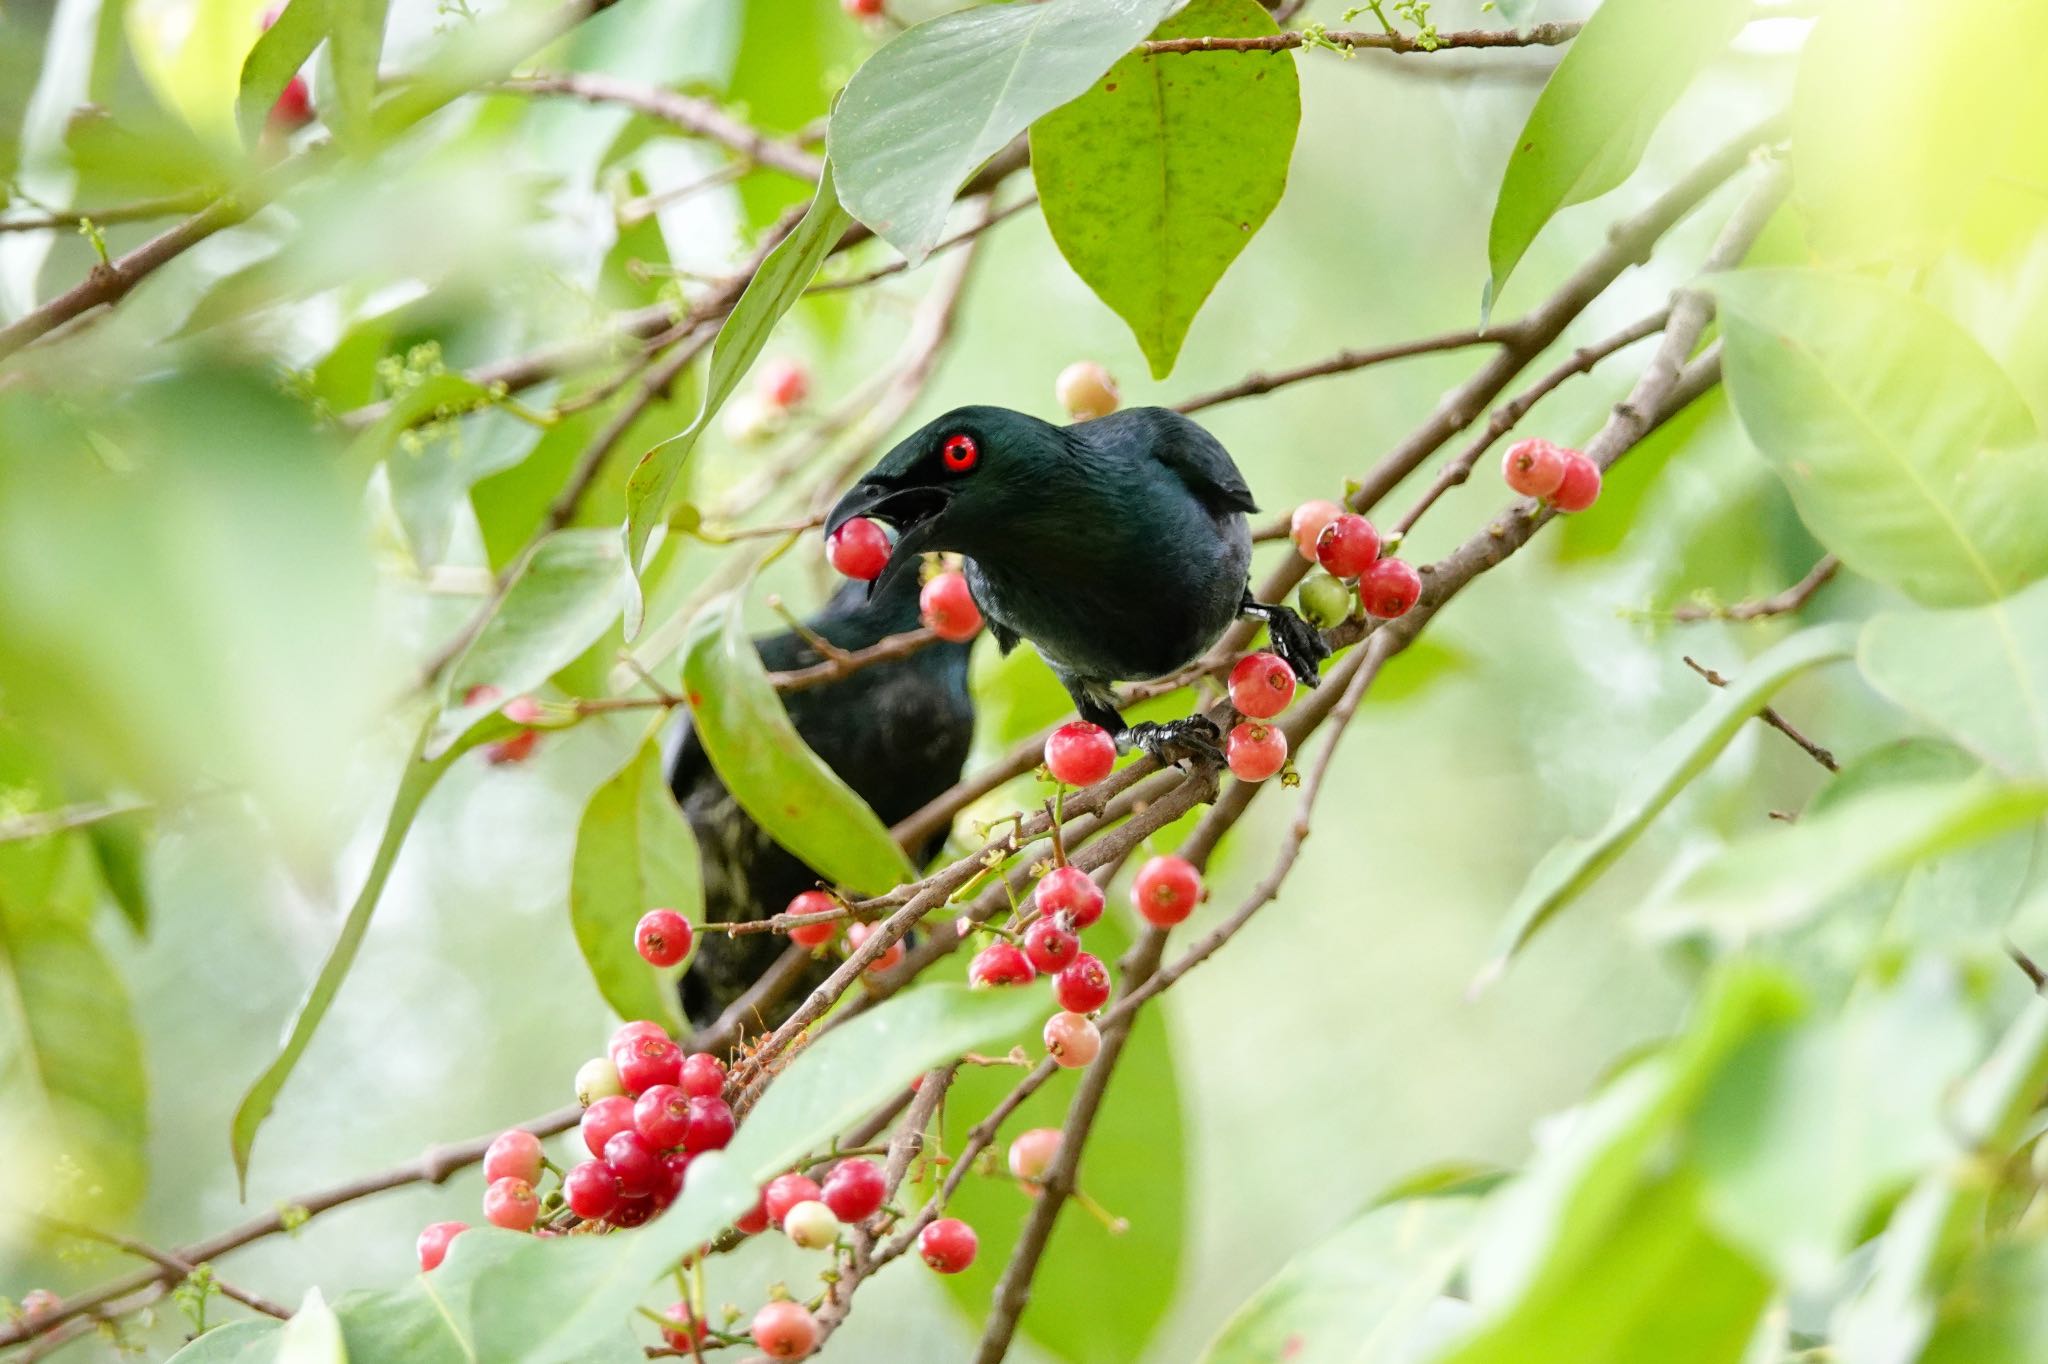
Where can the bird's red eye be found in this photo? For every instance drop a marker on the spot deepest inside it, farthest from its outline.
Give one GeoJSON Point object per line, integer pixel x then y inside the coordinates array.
{"type": "Point", "coordinates": [959, 452]}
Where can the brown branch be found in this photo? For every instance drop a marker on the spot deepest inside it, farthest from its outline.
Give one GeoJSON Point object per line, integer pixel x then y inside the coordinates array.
{"type": "Point", "coordinates": [1343, 362]}
{"type": "Point", "coordinates": [897, 267]}
{"type": "Point", "coordinates": [141, 211]}
{"type": "Point", "coordinates": [1770, 716]}
{"type": "Point", "coordinates": [164, 1260]}
{"type": "Point", "coordinates": [697, 116]}
{"type": "Point", "coordinates": [1536, 35]}
{"type": "Point", "coordinates": [1779, 604]}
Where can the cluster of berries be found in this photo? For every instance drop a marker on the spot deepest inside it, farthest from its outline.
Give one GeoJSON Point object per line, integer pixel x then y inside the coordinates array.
{"type": "Point", "coordinates": [860, 549]}
{"type": "Point", "coordinates": [1566, 479]}
{"type": "Point", "coordinates": [1348, 548]}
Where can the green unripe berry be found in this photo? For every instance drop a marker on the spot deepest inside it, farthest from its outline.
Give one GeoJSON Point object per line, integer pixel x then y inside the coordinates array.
{"type": "Point", "coordinates": [1324, 601]}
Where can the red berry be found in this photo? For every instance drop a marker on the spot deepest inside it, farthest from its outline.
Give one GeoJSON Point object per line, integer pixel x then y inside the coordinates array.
{"type": "Point", "coordinates": [1307, 525]}
{"type": "Point", "coordinates": [1389, 588]}
{"type": "Point", "coordinates": [433, 1242]}
{"type": "Point", "coordinates": [1533, 467]}
{"type": "Point", "coordinates": [785, 1330]}
{"type": "Point", "coordinates": [1581, 485]}
{"type": "Point", "coordinates": [1080, 754]}
{"type": "Point", "coordinates": [516, 749]}
{"type": "Point", "coordinates": [1261, 685]}
{"type": "Point", "coordinates": [661, 1115]}
{"type": "Point", "coordinates": [632, 1212]}
{"type": "Point", "coordinates": [1166, 890]}
{"type": "Point", "coordinates": [1255, 751]}
{"type": "Point", "coordinates": [1083, 987]}
{"type": "Point", "coordinates": [1347, 546]}
{"type": "Point", "coordinates": [591, 1189]}
{"type": "Point", "coordinates": [856, 934]}
{"type": "Point", "coordinates": [785, 1192]}
{"type": "Point", "coordinates": [859, 549]}
{"type": "Point", "coordinates": [1032, 1153]}
{"type": "Point", "coordinates": [947, 608]}
{"type": "Point", "coordinates": [703, 1075]}
{"type": "Point", "coordinates": [514, 1155]}
{"type": "Point", "coordinates": [685, 1331]}
{"type": "Point", "coordinates": [604, 1119]}
{"type": "Point", "coordinates": [1000, 963]}
{"type": "Point", "coordinates": [854, 1190]}
{"type": "Point", "coordinates": [818, 934]}
{"type": "Point", "coordinates": [1069, 890]}
{"type": "Point", "coordinates": [711, 1125]}
{"type": "Point", "coordinates": [947, 1245]}
{"type": "Point", "coordinates": [811, 1225]}
{"type": "Point", "coordinates": [652, 1061]}
{"type": "Point", "coordinates": [637, 1164]}
{"type": "Point", "coordinates": [509, 1203]}
{"type": "Point", "coordinates": [783, 382]}
{"type": "Point", "coordinates": [754, 1221]}
{"type": "Point", "coordinates": [663, 937]}
{"type": "Point", "coordinates": [294, 107]}
{"type": "Point", "coordinates": [622, 1039]}
{"type": "Point", "coordinates": [1072, 1039]}
{"type": "Point", "coordinates": [862, 9]}
{"type": "Point", "coordinates": [1049, 946]}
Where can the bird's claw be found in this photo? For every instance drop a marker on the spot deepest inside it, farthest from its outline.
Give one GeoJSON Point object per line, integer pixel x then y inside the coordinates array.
{"type": "Point", "coordinates": [1194, 737]}
{"type": "Point", "coordinates": [1299, 644]}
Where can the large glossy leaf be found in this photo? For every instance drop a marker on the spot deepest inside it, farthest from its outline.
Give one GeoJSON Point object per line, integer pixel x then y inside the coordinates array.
{"type": "Point", "coordinates": [781, 280]}
{"type": "Point", "coordinates": [1596, 113]}
{"type": "Point", "coordinates": [634, 852]}
{"type": "Point", "coordinates": [236, 1342]}
{"type": "Point", "coordinates": [1980, 675]}
{"type": "Point", "coordinates": [764, 762]}
{"type": "Point", "coordinates": [1156, 178]}
{"type": "Point", "coordinates": [925, 111]}
{"type": "Point", "coordinates": [277, 56]}
{"type": "Point", "coordinates": [313, 1335]}
{"type": "Point", "coordinates": [1575, 863]}
{"type": "Point", "coordinates": [1907, 450]}
{"type": "Point", "coordinates": [1361, 1296]}
{"type": "Point", "coordinates": [120, 847]}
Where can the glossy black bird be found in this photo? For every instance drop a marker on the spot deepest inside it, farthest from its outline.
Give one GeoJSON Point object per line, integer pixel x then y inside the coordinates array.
{"type": "Point", "coordinates": [896, 732]}
{"type": "Point", "coordinates": [1118, 546]}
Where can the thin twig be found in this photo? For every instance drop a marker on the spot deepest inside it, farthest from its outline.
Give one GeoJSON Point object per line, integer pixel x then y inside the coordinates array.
{"type": "Point", "coordinates": [1536, 35]}
{"type": "Point", "coordinates": [38, 823]}
{"type": "Point", "coordinates": [141, 211]}
{"type": "Point", "coordinates": [1778, 604]}
{"type": "Point", "coordinates": [1770, 716]}
{"type": "Point", "coordinates": [698, 116]}
{"type": "Point", "coordinates": [1343, 362]}
{"type": "Point", "coordinates": [165, 1260]}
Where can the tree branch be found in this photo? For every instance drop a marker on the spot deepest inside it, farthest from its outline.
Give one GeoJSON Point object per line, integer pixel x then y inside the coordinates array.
{"type": "Point", "coordinates": [1536, 35]}
{"type": "Point", "coordinates": [697, 116]}
{"type": "Point", "coordinates": [1779, 604]}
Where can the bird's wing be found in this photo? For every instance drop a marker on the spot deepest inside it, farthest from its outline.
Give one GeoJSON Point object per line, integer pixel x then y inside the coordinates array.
{"type": "Point", "coordinates": [1200, 462]}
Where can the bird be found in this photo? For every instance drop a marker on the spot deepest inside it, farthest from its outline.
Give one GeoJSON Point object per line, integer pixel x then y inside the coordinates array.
{"type": "Point", "coordinates": [1118, 546]}
{"type": "Point", "coordinates": [897, 732]}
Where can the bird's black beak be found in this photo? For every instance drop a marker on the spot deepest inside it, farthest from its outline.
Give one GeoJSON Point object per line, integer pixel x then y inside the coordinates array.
{"type": "Point", "coordinates": [913, 512]}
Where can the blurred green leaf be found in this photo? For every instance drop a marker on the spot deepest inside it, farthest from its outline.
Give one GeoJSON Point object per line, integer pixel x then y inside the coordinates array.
{"type": "Point", "coordinates": [789, 61]}
{"type": "Point", "coordinates": [1360, 1296]}
{"type": "Point", "coordinates": [764, 762]}
{"type": "Point", "coordinates": [924, 112]}
{"type": "Point", "coordinates": [1625, 69]}
{"type": "Point", "coordinates": [279, 52]}
{"type": "Point", "coordinates": [1908, 451]}
{"type": "Point", "coordinates": [1576, 863]}
{"type": "Point", "coordinates": [1153, 180]}
{"type": "Point", "coordinates": [120, 846]}
{"type": "Point", "coordinates": [313, 1335]}
{"type": "Point", "coordinates": [234, 1342]}
{"type": "Point", "coordinates": [1980, 674]}
{"type": "Point", "coordinates": [622, 279]}
{"type": "Point", "coordinates": [1997, 1312]}
{"type": "Point", "coordinates": [634, 852]}
{"type": "Point", "coordinates": [781, 280]}
{"type": "Point", "coordinates": [355, 44]}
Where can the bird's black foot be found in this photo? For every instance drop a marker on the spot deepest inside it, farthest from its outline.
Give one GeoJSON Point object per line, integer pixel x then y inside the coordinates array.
{"type": "Point", "coordinates": [1299, 644]}
{"type": "Point", "coordinates": [1194, 738]}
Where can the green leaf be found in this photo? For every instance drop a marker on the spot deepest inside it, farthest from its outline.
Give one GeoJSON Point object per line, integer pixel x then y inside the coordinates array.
{"type": "Point", "coordinates": [1156, 178]}
{"type": "Point", "coordinates": [781, 280]}
{"type": "Point", "coordinates": [1907, 450]}
{"type": "Point", "coordinates": [282, 49]}
{"type": "Point", "coordinates": [235, 1342]}
{"type": "Point", "coordinates": [634, 852]}
{"type": "Point", "coordinates": [1361, 1296]}
{"type": "Point", "coordinates": [764, 762]}
{"type": "Point", "coordinates": [1998, 1312]}
{"type": "Point", "coordinates": [1980, 675]}
{"type": "Point", "coordinates": [1626, 68]}
{"type": "Point", "coordinates": [1576, 863]}
{"type": "Point", "coordinates": [313, 1335]}
{"type": "Point", "coordinates": [355, 45]}
{"type": "Point", "coordinates": [561, 601]}
{"type": "Point", "coordinates": [924, 112]}
{"type": "Point", "coordinates": [120, 847]}
{"type": "Point", "coordinates": [1778, 879]}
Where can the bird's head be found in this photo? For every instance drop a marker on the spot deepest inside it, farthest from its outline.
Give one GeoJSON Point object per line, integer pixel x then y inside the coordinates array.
{"type": "Point", "coordinates": [955, 483]}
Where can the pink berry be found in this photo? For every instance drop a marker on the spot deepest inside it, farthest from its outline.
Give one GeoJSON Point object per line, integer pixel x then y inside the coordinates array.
{"type": "Point", "coordinates": [1389, 588]}
{"type": "Point", "coordinates": [1032, 1153]}
{"type": "Point", "coordinates": [635, 1161]}
{"type": "Point", "coordinates": [1084, 986]}
{"type": "Point", "coordinates": [1072, 1039]}
{"type": "Point", "coordinates": [294, 107]}
{"type": "Point", "coordinates": [947, 608]}
{"type": "Point", "coordinates": [813, 902]}
{"type": "Point", "coordinates": [523, 710]}
{"type": "Point", "coordinates": [605, 1119]}
{"type": "Point", "coordinates": [1255, 751]}
{"type": "Point", "coordinates": [591, 1189]}
{"type": "Point", "coordinates": [1049, 946]}
{"type": "Point", "coordinates": [1307, 525]}
{"type": "Point", "coordinates": [785, 1192]}
{"type": "Point", "coordinates": [1086, 391]}
{"type": "Point", "coordinates": [1261, 685]}
{"type": "Point", "coordinates": [662, 937]}
{"type": "Point", "coordinates": [514, 1155]}
{"type": "Point", "coordinates": [785, 1330]}
{"type": "Point", "coordinates": [1080, 754]}
{"type": "Point", "coordinates": [516, 749]}
{"type": "Point", "coordinates": [1000, 963]}
{"type": "Point", "coordinates": [1533, 467]}
{"type": "Point", "coordinates": [859, 549]}
{"type": "Point", "coordinates": [1166, 890]}
{"type": "Point", "coordinates": [627, 1034]}
{"type": "Point", "coordinates": [510, 1203]}
{"type": "Point", "coordinates": [38, 1303]}
{"type": "Point", "coordinates": [1580, 487]}
{"type": "Point", "coordinates": [703, 1075]}
{"type": "Point", "coordinates": [754, 1221]}
{"type": "Point", "coordinates": [433, 1243]}
{"type": "Point", "coordinates": [811, 1225]}
{"type": "Point", "coordinates": [652, 1061]}
{"type": "Point", "coordinates": [862, 9]}
{"type": "Point", "coordinates": [662, 1115]}
{"type": "Point", "coordinates": [1347, 546]}
{"type": "Point", "coordinates": [711, 1125]}
{"type": "Point", "coordinates": [683, 1331]}
{"type": "Point", "coordinates": [854, 1190]}
{"type": "Point", "coordinates": [1069, 890]}
{"type": "Point", "coordinates": [856, 934]}
{"type": "Point", "coordinates": [783, 382]}
{"type": "Point", "coordinates": [948, 1245]}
